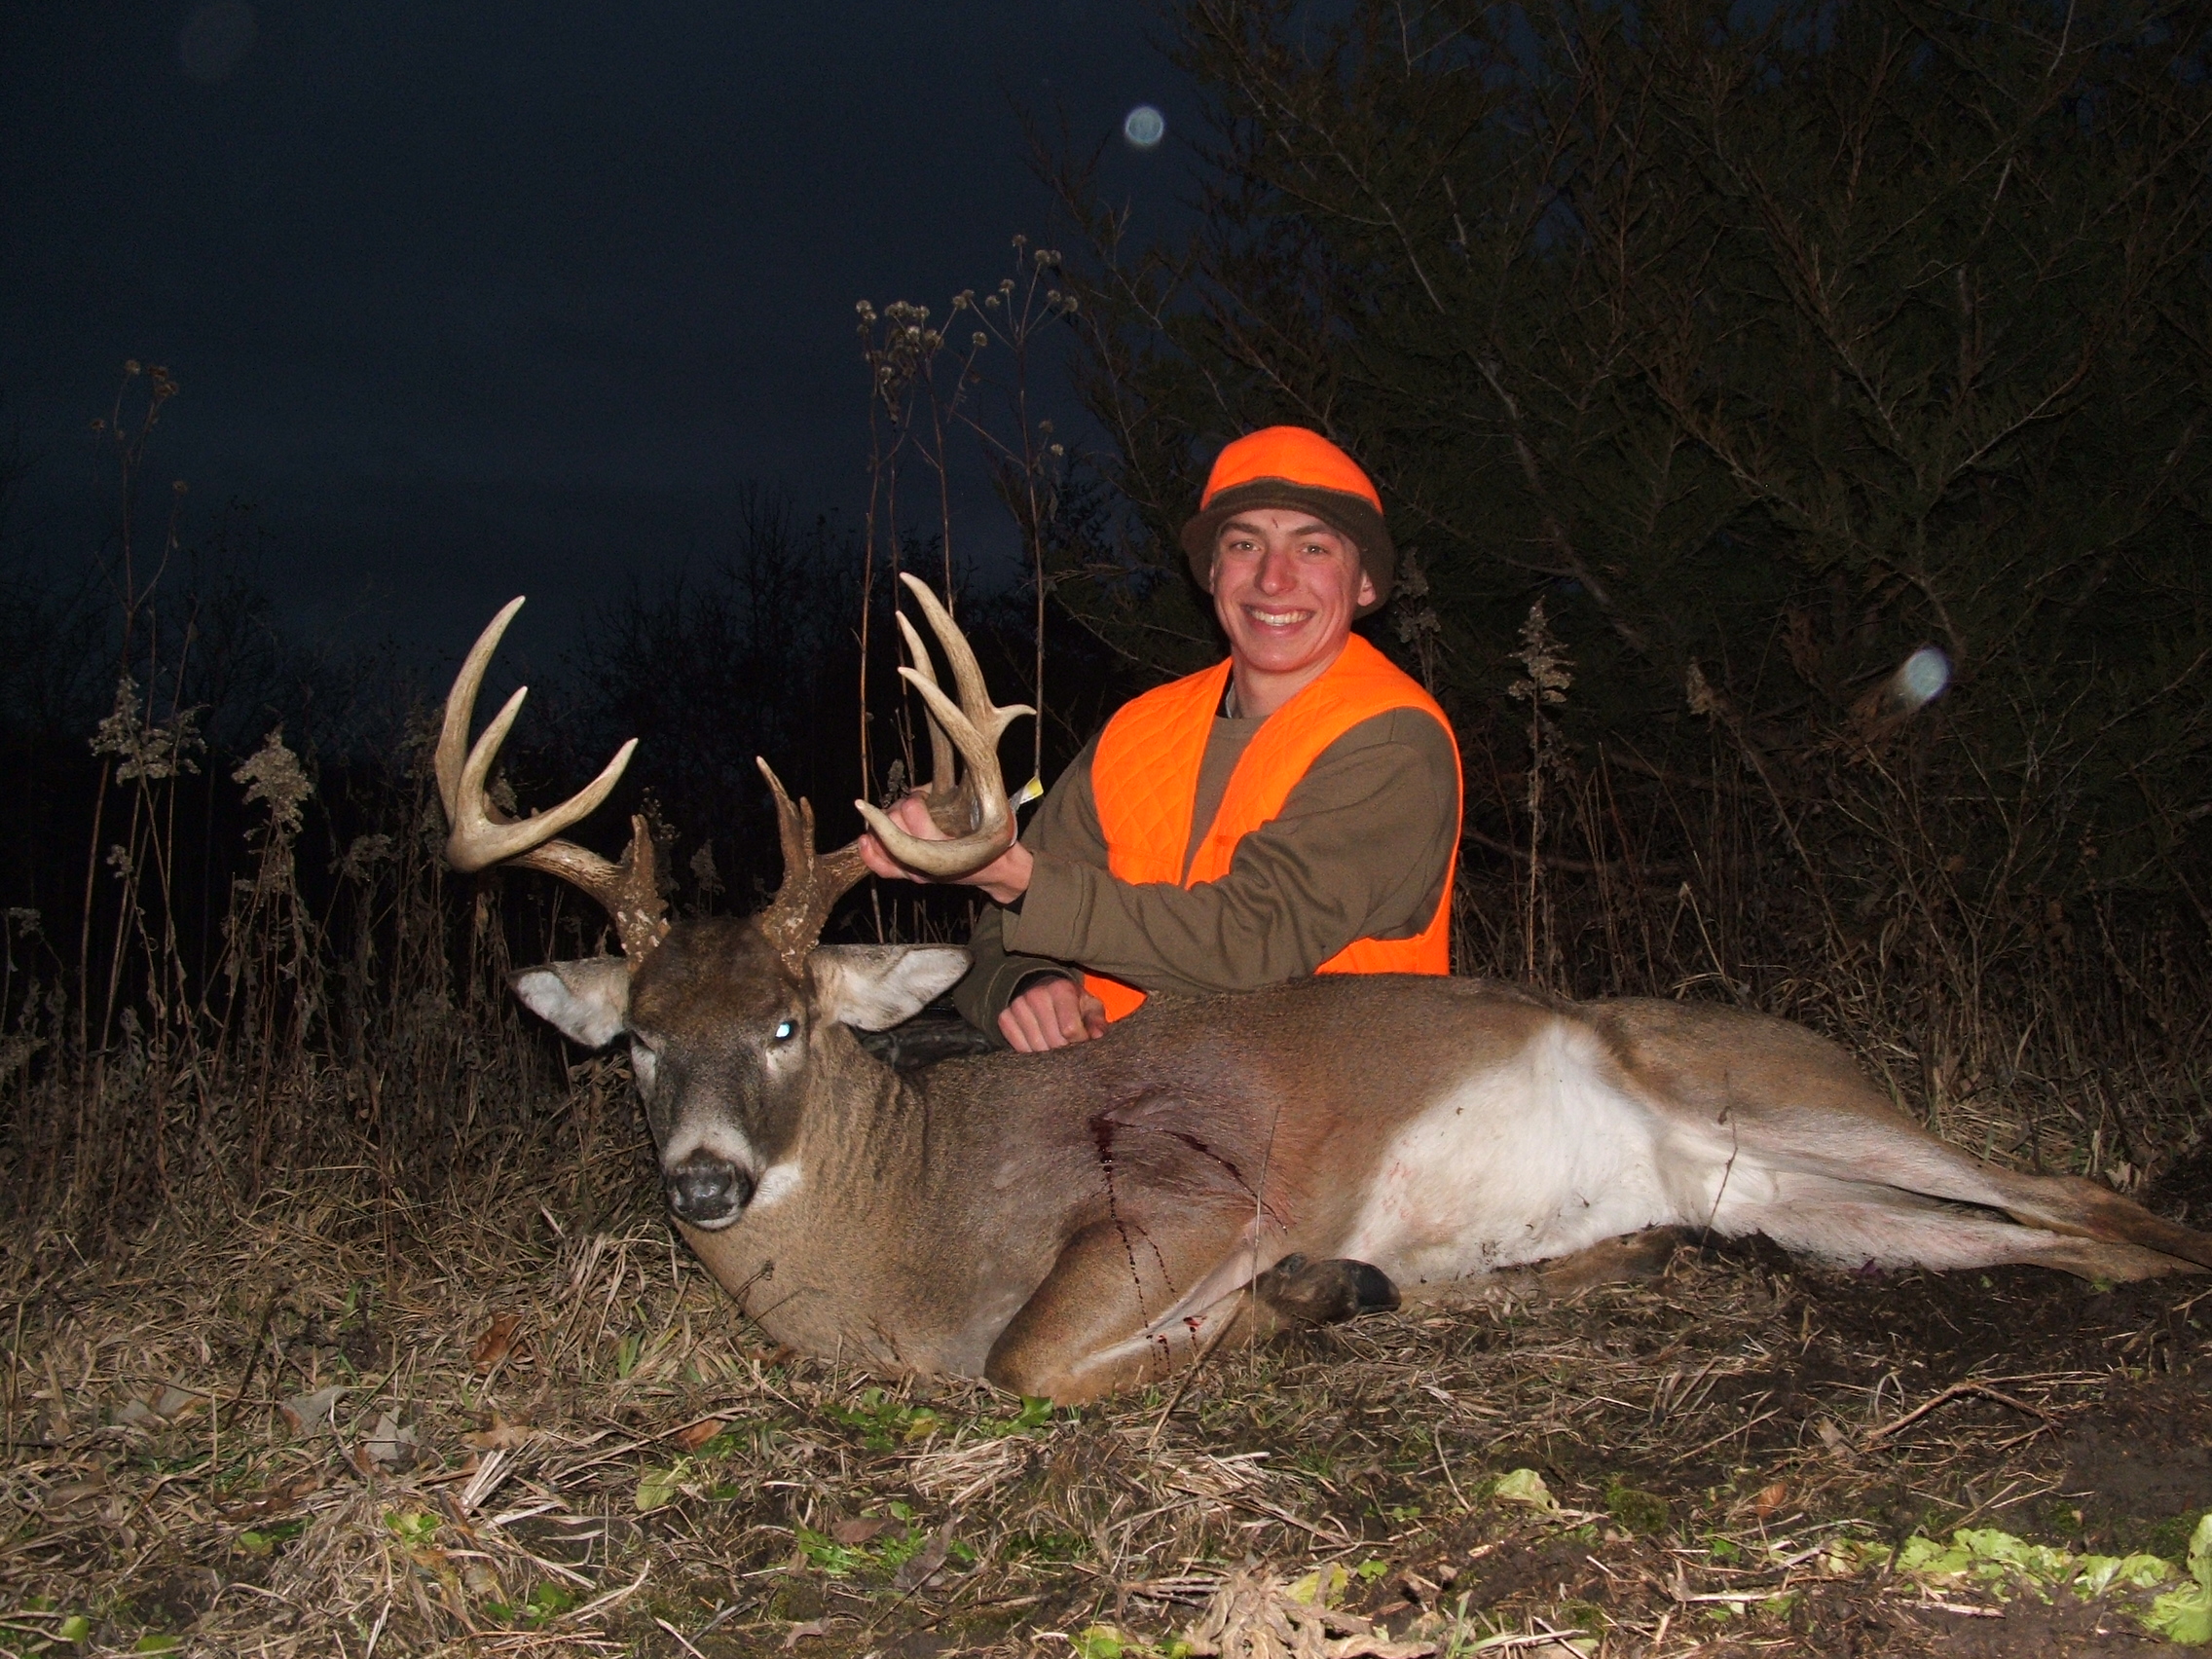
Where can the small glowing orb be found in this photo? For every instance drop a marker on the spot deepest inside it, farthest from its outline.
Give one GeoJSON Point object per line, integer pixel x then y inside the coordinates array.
{"type": "Point", "coordinates": [1144, 127]}
{"type": "Point", "coordinates": [1922, 677]}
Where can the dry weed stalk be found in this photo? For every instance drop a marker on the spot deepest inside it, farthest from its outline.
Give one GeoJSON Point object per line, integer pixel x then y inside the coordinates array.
{"type": "Point", "coordinates": [1548, 675]}
{"type": "Point", "coordinates": [931, 405]}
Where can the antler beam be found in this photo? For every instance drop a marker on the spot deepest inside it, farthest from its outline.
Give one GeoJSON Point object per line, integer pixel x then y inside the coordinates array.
{"type": "Point", "coordinates": [480, 836]}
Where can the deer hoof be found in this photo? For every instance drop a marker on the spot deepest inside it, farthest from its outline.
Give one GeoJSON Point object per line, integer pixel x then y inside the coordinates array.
{"type": "Point", "coordinates": [1324, 1293]}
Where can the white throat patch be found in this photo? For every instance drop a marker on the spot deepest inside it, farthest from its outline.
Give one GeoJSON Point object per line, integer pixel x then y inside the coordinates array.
{"type": "Point", "coordinates": [778, 1182]}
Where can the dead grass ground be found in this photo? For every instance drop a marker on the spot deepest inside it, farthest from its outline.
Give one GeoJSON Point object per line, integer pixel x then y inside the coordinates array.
{"type": "Point", "coordinates": [553, 1436]}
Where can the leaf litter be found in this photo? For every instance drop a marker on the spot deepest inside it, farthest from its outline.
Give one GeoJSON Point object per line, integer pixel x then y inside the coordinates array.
{"type": "Point", "coordinates": [567, 1442]}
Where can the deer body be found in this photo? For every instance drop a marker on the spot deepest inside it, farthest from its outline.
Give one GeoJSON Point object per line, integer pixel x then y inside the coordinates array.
{"type": "Point", "coordinates": [1078, 1221]}
{"type": "Point", "coordinates": [1174, 1162]}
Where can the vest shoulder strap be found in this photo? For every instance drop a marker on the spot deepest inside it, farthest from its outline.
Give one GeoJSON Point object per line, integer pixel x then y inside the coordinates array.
{"type": "Point", "coordinates": [1145, 774]}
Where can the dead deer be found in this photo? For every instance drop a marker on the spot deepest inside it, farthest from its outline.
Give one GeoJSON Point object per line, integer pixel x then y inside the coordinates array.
{"type": "Point", "coordinates": [1071, 1223]}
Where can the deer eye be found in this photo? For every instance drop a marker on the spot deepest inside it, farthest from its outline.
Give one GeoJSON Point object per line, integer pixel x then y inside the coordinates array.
{"type": "Point", "coordinates": [783, 1030]}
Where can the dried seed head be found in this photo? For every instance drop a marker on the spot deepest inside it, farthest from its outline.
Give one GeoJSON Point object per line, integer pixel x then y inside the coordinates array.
{"type": "Point", "coordinates": [274, 775]}
{"type": "Point", "coordinates": [1704, 700]}
{"type": "Point", "coordinates": [1549, 669]}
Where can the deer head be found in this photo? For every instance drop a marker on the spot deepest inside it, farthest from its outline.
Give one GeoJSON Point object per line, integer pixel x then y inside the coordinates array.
{"type": "Point", "coordinates": [733, 1022]}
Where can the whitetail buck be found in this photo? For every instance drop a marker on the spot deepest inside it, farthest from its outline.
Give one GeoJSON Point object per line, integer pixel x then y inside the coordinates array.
{"type": "Point", "coordinates": [1074, 1222]}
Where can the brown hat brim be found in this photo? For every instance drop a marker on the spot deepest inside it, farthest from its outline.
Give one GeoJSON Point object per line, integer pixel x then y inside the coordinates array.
{"type": "Point", "coordinates": [1350, 515]}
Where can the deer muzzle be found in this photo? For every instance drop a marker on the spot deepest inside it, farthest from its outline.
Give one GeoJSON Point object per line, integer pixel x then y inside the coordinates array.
{"type": "Point", "coordinates": [707, 1191]}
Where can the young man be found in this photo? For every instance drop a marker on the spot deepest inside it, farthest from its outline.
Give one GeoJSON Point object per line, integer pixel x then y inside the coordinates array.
{"type": "Point", "coordinates": [1294, 809]}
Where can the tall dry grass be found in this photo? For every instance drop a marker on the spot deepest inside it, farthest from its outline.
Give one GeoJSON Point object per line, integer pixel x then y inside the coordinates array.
{"type": "Point", "coordinates": [217, 1010]}
{"type": "Point", "coordinates": [365, 1030]}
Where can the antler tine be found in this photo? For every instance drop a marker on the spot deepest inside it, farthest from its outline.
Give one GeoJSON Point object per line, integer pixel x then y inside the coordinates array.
{"type": "Point", "coordinates": [795, 825]}
{"type": "Point", "coordinates": [976, 813]}
{"type": "Point", "coordinates": [980, 749]}
{"type": "Point", "coordinates": [479, 835]}
{"type": "Point", "coordinates": [461, 705]}
{"type": "Point", "coordinates": [941, 780]}
{"type": "Point", "coordinates": [967, 673]}
{"type": "Point", "coordinates": [812, 882]}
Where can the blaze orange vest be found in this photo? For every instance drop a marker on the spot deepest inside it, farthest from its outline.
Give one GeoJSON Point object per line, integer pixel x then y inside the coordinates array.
{"type": "Point", "coordinates": [1145, 777]}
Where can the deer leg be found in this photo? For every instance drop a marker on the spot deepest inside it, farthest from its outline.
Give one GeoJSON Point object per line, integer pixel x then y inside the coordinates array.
{"type": "Point", "coordinates": [1858, 1223]}
{"type": "Point", "coordinates": [1896, 1168]}
{"type": "Point", "coordinates": [2067, 1204]}
{"type": "Point", "coordinates": [1758, 1108]}
{"type": "Point", "coordinates": [1117, 1311]}
{"type": "Point", "coordinates": [1635, 1258]}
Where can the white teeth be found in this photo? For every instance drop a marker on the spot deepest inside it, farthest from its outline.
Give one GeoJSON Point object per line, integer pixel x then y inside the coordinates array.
{"type": "Point", "coordinates": [1281, 618]}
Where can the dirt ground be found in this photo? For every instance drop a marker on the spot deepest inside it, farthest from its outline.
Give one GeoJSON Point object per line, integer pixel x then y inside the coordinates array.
{"type": "Point", "coordinates": [552, 1435]}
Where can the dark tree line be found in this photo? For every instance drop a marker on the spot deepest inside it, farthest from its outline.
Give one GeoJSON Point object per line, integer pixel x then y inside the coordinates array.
{"type": "Point", "coordinates": [1763, 345]}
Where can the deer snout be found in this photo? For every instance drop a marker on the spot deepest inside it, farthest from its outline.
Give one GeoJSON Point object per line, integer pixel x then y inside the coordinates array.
{"type": "Point", "coordinates": [708, 1192]}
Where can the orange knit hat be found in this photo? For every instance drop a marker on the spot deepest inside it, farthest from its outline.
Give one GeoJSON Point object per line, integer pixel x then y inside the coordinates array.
{"type": "Point", "coordinates": [1289, 467]}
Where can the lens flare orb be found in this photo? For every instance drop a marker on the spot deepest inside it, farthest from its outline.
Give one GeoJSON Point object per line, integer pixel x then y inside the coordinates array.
{"type": "Point", "coordinates": [1922, 677]}
{"type": "Point", "coordinates": [1144, 127]}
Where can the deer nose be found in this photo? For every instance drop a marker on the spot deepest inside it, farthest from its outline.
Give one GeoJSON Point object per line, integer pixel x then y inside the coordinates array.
{"type": "Point", "coordinates": [707, 1191]}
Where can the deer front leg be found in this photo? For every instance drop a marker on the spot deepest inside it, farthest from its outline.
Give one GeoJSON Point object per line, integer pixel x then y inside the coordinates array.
{"type": "Point", "coordinates": [1124, 1306]}
{"type": "Point", "coordinates": [1088, 1332]}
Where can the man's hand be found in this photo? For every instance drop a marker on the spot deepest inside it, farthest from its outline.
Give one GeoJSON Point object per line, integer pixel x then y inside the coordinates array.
{"type": "Point", "coordinates": [1051, 1014]}
{"type": "Point", "coordinates": [1004, 878]}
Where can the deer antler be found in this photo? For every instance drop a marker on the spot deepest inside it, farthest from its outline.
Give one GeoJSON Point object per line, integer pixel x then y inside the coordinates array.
{"type": "Point", "coordinates": [480, 836]}
{"type": "Point", "coordinates": [812, 882]}
{"type": "Point", "coordinates": [974, 812]}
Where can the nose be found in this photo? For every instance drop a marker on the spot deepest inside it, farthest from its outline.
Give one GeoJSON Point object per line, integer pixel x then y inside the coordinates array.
{"type": "Point", "coordinates": [704, 1191]}
{"type": "Point", "coordinates": [1277, 572]}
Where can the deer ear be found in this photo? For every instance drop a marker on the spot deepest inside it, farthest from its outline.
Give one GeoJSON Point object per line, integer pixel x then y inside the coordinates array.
{"type": "Point", "coordinates": [875, 987]}
{"type": "Point", "coordinates": [588, 1002]}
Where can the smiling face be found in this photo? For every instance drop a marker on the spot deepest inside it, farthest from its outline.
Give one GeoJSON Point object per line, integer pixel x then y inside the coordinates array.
{"type": "Point", "coordinates": [1285, 587]}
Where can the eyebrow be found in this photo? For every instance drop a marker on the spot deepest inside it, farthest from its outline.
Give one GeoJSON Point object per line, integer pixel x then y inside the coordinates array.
{"type": "Point", "coordinates": [1306, 529]}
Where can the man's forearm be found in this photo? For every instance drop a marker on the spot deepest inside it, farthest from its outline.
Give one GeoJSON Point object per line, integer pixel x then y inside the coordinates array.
{"type": "Point", "coordinates": [997, 977]}
{"type": "Point", "coordinates": [1066, 825]}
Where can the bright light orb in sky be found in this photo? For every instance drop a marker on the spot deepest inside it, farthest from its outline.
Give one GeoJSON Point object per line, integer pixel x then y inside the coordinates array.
{"type": "Point", "coordinates": [1144, 127]}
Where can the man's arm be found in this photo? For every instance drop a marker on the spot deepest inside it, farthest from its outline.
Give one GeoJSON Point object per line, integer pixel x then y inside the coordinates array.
{"type": "Point", "coordinates": [1361, 850]}
{"type": "Point", "coordinates": [999, 976]}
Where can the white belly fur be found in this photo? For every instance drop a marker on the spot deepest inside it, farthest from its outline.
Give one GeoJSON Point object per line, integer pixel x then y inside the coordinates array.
{"type": "Point", "coordinates": [1530, 1158]}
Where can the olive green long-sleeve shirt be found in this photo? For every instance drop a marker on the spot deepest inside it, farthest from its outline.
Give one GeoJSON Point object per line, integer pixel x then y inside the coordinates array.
{"type": "Point", "coordinates": [1360, 850]}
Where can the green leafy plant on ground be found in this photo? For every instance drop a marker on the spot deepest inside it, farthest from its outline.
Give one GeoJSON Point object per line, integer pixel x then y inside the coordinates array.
{"type": "Point", "coordinates": [2185, 1614]}
{"type": "Point", "coordinates": [2006, 1566]}
{"type": "Point", "coordinates": [545, 1603]}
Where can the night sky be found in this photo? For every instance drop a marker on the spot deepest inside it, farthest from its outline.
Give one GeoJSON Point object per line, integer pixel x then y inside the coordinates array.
{"type": "Point", "coordinates": [484, 299]}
